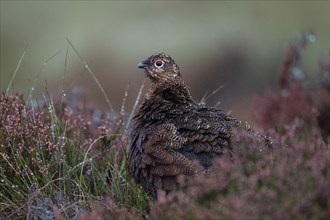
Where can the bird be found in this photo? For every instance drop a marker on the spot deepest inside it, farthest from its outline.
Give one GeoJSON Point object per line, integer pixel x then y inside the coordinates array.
{"type": "Point", "coordinates": [170, 133]}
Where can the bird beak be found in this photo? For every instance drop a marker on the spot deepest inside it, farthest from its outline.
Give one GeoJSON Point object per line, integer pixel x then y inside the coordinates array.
{"type": "Point", "coordinates": [142, 65]}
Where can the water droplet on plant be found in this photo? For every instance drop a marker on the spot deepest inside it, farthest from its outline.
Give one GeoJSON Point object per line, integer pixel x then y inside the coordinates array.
{"type": "Point", "coordinates": [297, 74]}
{"type": "Point", "coordinates": [311, 38]}
{"type": "Point", "coordinates": [63, 93]}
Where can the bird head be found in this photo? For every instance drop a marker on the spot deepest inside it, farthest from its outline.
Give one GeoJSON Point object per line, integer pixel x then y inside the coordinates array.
{"type": "Point", "coordinates": [160, 67]}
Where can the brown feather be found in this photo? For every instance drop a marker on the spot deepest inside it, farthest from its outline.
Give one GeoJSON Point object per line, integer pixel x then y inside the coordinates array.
{"type": "Point", "coordinates": [171, 134]}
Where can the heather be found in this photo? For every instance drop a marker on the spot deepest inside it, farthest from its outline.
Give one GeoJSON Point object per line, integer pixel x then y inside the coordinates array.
{"type": "Point", "coordinates": [289, 181]}
{"type": "Point", "coordinates": [57, 162]}
{"type": "Point", "coordinates": [62, 159]}
{"type": "Point", "coordinates": [57, 157]}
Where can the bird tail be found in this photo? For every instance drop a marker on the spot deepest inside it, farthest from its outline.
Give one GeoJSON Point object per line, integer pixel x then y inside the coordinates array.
{"type": "Point", "coordinates": [266, 140]}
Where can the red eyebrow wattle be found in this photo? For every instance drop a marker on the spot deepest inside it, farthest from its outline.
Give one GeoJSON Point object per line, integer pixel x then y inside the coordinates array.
{"type": "Point", "coordinates": [158, 59]}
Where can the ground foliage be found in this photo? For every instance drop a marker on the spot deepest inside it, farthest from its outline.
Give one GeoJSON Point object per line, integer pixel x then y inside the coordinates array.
{"type": "Point", "coordinates": [62, 160]}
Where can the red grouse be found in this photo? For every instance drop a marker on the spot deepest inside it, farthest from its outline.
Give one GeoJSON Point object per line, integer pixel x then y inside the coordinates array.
{"type": "Point", "coordinates": [171, 134]}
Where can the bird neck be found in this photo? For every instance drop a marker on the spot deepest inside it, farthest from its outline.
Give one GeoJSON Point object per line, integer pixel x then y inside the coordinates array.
{"type": "Point", "coordinates": [175, 91]}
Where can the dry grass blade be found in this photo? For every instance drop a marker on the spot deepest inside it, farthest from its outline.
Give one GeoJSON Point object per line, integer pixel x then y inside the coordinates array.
{"type": "Point", "coordinates": [205, 97]}
{"type": "Point", "coordinates": [40, 70]}
{"type": "Point", "coordinates": [135, 104]}
{"type": "Point", "coordinates": [16, 70]}
{"type": "Point", "coordinates": [65, 67]}
{"type": "Point", "coordinates": [92, 74]}
{"type": "Point", "coordinates": [122, 108]}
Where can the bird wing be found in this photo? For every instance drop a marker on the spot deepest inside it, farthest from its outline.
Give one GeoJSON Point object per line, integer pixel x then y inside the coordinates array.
{"type": "Point", "coordinates": [154, 159]}
{"type": "Point", "coordinates": [207, 134]}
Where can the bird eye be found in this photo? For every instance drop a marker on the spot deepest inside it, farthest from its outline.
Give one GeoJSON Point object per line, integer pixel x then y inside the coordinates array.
{"type": "Point", "coordinates": [159, 63]}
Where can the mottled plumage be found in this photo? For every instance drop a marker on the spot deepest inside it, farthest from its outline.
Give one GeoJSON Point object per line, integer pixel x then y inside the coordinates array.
{"type": "Point", "coordinates": [171, 134]}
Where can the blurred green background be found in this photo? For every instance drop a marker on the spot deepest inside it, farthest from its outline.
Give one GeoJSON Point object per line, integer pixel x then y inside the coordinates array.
{"type": "Point", "coordinates": [238, 44]}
